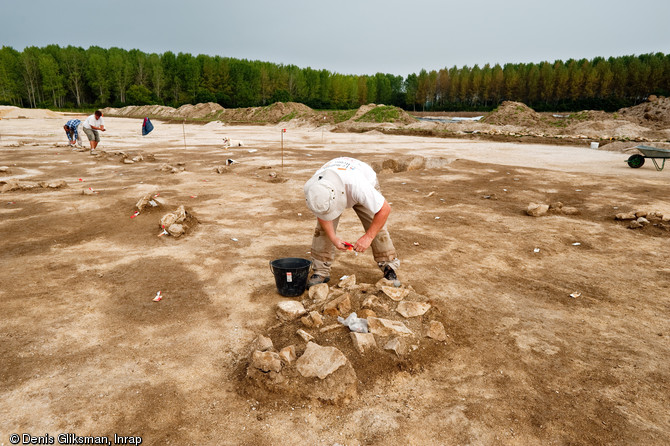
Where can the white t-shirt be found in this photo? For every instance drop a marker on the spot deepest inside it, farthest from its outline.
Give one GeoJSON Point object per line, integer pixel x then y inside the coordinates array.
{"type": "Point", "coordinates": [359, 182]}
{"type": "Point", "coordinates": [91, 121]}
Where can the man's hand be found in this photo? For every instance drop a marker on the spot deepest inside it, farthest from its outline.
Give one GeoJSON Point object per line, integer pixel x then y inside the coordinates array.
{"type": "Point", "coordinates": [363, 243]}
{"type": "Point", "coordinates": [339, 244]}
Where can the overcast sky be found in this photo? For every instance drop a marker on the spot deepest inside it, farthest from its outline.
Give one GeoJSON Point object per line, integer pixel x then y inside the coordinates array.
{"type": "Point", "coordinates": [349, 36]}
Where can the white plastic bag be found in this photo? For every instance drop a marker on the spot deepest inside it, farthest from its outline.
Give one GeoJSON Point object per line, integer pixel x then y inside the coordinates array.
{"type": "Point", "coordinates": [354, 323]}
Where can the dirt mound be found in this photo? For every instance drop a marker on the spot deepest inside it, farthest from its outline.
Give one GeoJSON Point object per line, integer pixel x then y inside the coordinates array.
{"type": "Point", "coordinates": [383, 113]}
{"type": "Point", "coordinates": [188, 111]}
{"type": "Point", "coordinates": [272, 114]}
{"type": "Point", "coordinates": [654, 113]}
{"type": "Point", "coordinates": [514, 113]}
{"type": "Point", "coordinates": [315, 353]}
{"type": "Point", "coordinates": [11, 112]}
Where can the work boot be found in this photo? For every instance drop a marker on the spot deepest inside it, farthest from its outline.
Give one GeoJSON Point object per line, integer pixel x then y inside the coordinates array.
{"type": "Point", "coordinates": [389, 274]}
{"type": "Point", "coordinates": [317, 279]}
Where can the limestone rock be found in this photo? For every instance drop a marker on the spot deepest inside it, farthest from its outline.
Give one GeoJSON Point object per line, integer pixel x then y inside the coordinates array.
{"type": "Point", "coordinates": [666, 217]}
{"type": "Point", "coordinates": [347, 282]}
{"type": "Point", "coordinates": [287, 354]}
{"type": "Point", "coordinates": [569, 210]}
{"type": "Point", "coordinates": [396, 345]}
{"type": "Point", "coordinates": [635, 224]}
{"type": "Point", "coordinates": [128, 161]}
{"type": "Point", "coordinates": [375, 303]}
{"type": "Point", "coordinates": [289, 309]}
{"type": "Point", "coordinates": [144, 201]}
{"type": "Point", "coordinates": [169, 168]}
{"type": "Point", "coordinates": [639, 214]}
{"type": "Point", "coordinates": [138, 158]}
{"type": "Point", "coordinates": [387, 327]}
{"type": "Point", "coordinates": [5, 169]}
{"type": "Point", "coordinates": [436, 331]}
{"type": "Point", "coordinates": [642, 221]}
{"type": "Point", "coordinates": [413, 309]}
{"type": "Point", "coordinates": [312, 320]}
{"type": "Point", "coordinates": [383, 282]}
{"type": "Point", "coordinates": [331, 327]}
{"type": "Point", "coordinates": [88, 191]}
{"type": "Point", "coordinates": [177, 216]}
{"type": "Point", "coordinates": [338, 306]}
{"type": "Point", "coordinates": [54, 184]}
{"type": "Point", "coordinates": [304, 335]}
{"type": "Point", "coordinates": [266, 361]}
{"type": "Point", "coordinates": [175, 229]}
{"type": "Point", "coordinates": [366, 313]}
{"type": "Point", "coordinates": [320, 361]}
{"type": "Point", "coordinates": [537, 210]}
{"type": "Point", "coordinates": [396, 294]}
{"type": "Point", "coordinates": [557, 206]}
{"type": "Point", "coordinates": [363, 341]}
{"type": "Point", "coordinates": [318, 293]}
{"type": "Point", "coordinates": [262, 343]}
{"type": "Point", "coordinates": [9, 186]}
{"type": "Point", "coordinates": [625, 216]}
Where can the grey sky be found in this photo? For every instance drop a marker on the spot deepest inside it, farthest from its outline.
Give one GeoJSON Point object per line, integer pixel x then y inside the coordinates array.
{"type": "Point", "coordinates": [349, 36]}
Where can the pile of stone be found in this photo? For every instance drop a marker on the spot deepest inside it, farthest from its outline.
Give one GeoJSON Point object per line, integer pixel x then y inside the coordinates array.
{"type": "Point", "coordinates": [540, 209]}
{"type": "Point", "coordinates": [12, 185]}
{"type": "Point", "coordinates": [640, 219]}
{"type": "Point", "coordinates": [165, 167]}
{"type": "Point", "coordinates": [312, 354]}
{"type": "Point", "coordinates": [149, 201]}
{"type": "Point", "coordinates": [178, 222]}
{"type": "Point", "coordinates": [129, 159]}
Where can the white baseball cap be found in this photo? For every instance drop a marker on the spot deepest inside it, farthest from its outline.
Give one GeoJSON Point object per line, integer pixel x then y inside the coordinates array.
{"type": "Point", "coordinates": [325, 195]}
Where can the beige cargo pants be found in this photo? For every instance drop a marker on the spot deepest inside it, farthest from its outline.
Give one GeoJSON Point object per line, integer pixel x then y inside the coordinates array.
{"type": "Point", "coordinates": [323, 251]}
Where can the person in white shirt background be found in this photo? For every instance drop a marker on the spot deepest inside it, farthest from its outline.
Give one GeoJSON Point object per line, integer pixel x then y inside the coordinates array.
{"type": "Point", "coordinates": [92, 126]}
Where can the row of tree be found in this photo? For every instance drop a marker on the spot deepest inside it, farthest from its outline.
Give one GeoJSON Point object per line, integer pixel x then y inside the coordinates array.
{"type": "Point", "coordinates": [73, 77]}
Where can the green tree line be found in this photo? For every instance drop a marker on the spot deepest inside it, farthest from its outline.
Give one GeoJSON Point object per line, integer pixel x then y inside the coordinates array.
{"type": "Point", "coordinates": [600, 83]}
{"type": "Point", "coordinates": [74, 77]}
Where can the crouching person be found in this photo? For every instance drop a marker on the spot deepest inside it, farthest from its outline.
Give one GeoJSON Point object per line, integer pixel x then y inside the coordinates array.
{"type": "Point", "coordinates": [348, 183]}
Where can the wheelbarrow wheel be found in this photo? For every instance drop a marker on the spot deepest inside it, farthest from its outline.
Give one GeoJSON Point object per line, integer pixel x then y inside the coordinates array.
{"type": "Point", "coordinates": [635, 161]}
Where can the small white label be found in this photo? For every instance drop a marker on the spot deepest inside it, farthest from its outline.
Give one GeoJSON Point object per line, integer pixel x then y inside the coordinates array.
{"type": "Point", "coordinates": [289, 277]}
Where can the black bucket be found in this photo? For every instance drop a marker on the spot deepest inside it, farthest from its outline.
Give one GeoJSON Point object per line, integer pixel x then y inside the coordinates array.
{"type": "Point", "coordinates": [290, 275]}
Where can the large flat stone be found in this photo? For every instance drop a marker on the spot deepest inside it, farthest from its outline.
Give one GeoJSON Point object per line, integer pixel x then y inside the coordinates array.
{"type": "Point", "coordinates": [320, 361]}
{"type": "Point", "coordinates": [396, 294]}
{"type": "Point", "coordinates": [412, 309]}
{"type": "Point", "coordinates": [387, 327]}
{"type": "Point", "coordinates": [288, 310]}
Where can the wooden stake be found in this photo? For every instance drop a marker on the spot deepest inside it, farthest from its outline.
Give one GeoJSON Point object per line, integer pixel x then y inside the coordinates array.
{"type": "Point", "coordinates": [183, 128]}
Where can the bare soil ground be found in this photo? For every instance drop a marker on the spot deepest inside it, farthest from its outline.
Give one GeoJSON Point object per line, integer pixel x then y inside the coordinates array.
{"type": "Point", "coordinates": [85, 350]}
